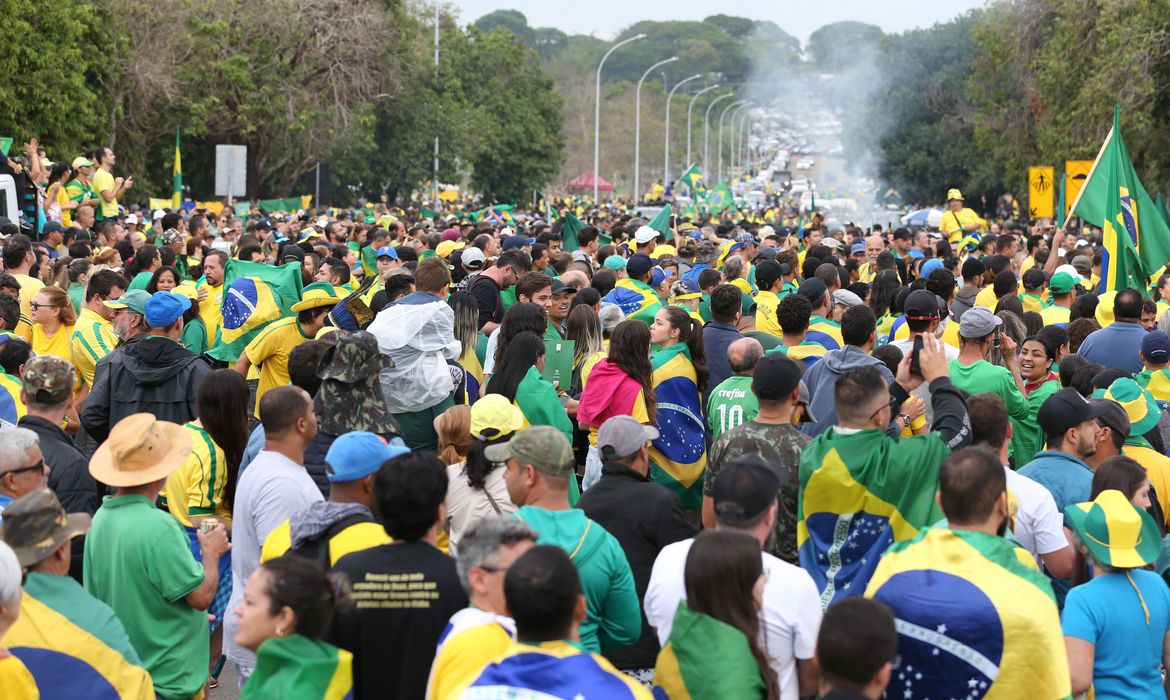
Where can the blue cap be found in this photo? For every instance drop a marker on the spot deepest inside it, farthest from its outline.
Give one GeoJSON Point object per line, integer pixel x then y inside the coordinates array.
{"type": "Point", "coordinates": [164, 308]}
{"type": "Point", "coordinates": [516, 242]}
{"type": "Point", "coordinates": [358, 454]}
{"type": "Point", "coordinates": [858, 247]}
{"type": "Point", "coordinates": [386, 252]}
{"type": "Point", "coordinates": [692, 286]}
{"type": "Point", "coordinates": [639, 264]}
{"type": "Point", "coordinates": [930, 266]}
{"type": "Point", "coordinates": [1156, 347]}
{"type": "Point", "coordinates": [659, 276]}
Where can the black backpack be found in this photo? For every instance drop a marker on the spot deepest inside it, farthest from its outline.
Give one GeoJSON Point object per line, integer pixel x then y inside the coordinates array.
{"type": "Point", "coordinates": [316, 549]}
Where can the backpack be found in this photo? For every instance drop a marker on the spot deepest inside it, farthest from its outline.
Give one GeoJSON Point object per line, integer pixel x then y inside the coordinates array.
{"type": "Point", "coordinates": [316, 549]}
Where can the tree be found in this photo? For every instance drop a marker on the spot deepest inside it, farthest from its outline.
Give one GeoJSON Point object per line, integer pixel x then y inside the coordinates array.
{"type": "Point", "coordinates": [836, 46]}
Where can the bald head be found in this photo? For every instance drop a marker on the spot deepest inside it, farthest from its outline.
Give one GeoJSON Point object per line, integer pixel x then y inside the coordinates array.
{"type": "Point", "coordinates": [743, 355]}
{"type": "Point", "coordinates": [575, 279]}
{"type": "Point", "coordinates": [873, 246]}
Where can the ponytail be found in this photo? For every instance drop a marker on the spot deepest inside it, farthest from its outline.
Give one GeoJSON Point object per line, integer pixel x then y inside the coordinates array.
{"type": "Point", "coordinates": [690, 333]}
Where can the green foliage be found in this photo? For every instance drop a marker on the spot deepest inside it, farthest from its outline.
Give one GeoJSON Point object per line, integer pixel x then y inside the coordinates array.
{"type": "Point", "coordinates": [836, 46]}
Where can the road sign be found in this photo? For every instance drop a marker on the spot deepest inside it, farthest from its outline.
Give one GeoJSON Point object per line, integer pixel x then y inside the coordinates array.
{"type": "Point", "coordinates": [1041, 189]}
{"type": "Point", "coordinates": [231, 171]}
{"type": "Point", "coordinates": [1078, 172]}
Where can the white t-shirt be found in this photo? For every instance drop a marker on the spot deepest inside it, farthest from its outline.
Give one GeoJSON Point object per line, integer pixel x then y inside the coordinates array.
{"type": "Point", "coordinates": [272, 489]}
{"type": "Point", "coordinates": [489, 357]}
{"type": "Point", "coordinates": [1039, 526]}
{"type": "Point", "coordinates": [790, 620]}
{"type": "Point", "coordinates": [465, 505]}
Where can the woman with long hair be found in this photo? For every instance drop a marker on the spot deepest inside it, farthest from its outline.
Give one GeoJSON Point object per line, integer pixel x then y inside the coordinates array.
{"type": "Point", "coordinates": [164, 279]}
{"type": "Point", "coordinates": [453, 432]}
{"type": "Point", "coordinates": [52, 317]}
{"type": "Point", "coordinates": [519, 378]}
{"type": "Point", "coordinates": [58, 206]}
{"type": "Point", "coordinates": [194, 335]}
{"type": "Point", "coordinates": [519, 318]}
{"type": "Point", "coordinates": [1037, 358]}
{"type": "Point", "coordinates": [204, 487]}
{"type": "Point", "coordinates": [74, 280]}
{"type": "Point", "coordinates": [725, 579]}
{"type": "Point", "coordinates": [466, 312]}
{"type": "Point", "coordinates": [475, 485]}
{"type": "Point", "coordinates": [111, 258]}
{"type": "Point", "coordinates": [584, 329]}
{"type": "Point", "coordinates": [286, 611]}
{"type": "Point", "coordinates": [622, 384]}
{"type": "Point", "coordinates": [140, 268]}
{"type": "Point", "coordinates": [680, 375]}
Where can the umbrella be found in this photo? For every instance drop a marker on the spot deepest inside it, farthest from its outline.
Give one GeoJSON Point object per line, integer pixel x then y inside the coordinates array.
{"type": "Point", "coordinates": [923, 217]}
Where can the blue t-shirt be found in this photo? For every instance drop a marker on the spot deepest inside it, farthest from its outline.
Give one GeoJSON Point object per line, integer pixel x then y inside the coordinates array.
{"type": "Point", "coordinates": [1115, 346]}
{"type": "Point", "coordinates": [1107, 612]}
{"type": "Point", "coordinates": [1067, 478]}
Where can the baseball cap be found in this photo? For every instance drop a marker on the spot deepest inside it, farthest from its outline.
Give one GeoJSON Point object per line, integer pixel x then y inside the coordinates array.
{"type": "Point", "coordinates": [659, 276]}
{"type": "Point", "coordinates": [745, 239]}
{"type": "Point", "coordinates": [744, 489]}
{"type": "Point", "coordinates": [1064, 409]}
{"type": "Point", "coordinates": [516, 242]}
{"type": "Point", "coordinates": [953, 194]}
{"type": "Point", "coordinates": [1082, 265]}
{"type": "Point", "coordinates": [358, 454]}
{"type": "Point", "coordinates": [52, 227]}
{"type": "Point", "coordinates": [48, 378]}
{"type": "Point", "coordinates": [645, 234]}
{"type": "Point", "coordinates": [615, 262]}
{"type": "Point", "coordinates": [471, 258]}
{"type": "Point", "coordinates": [1061, 283]}
{"type": "Point", "coordinates": [972, 269]}
{"type": "Point", "coordinates": [1034, 278]}
{"type": "Point", "coordinates": [977, 322]}
{"type": "Point", "coordinates": [1114, 416]}
{"type": "Point", "coordinates": [386, 251]}
{"type": "Point", "coordinates": [157, 214]}
{"type": "Point", "coordinates": [764, 253]}
{"type": "Point", "coordinates": [81, 162]}
{"type": "Point", "coordinates": [621, 436]}
{"type": "Point", "coordinates": [496, 413]}
{"type": "Point", "coordinates": [292, 252]}
{"type": "Point", "coordinates": [133, 299]}
{"type": "Point", "coordinates": [813, 289]}
{"type": "Point", "coordinates": [921, 305]}
{"type": "Point", "coordinates": [832, 242]}
{"type": "Point", "coordinates": [930, 266]}
{"type": "Point", "coordinates": [858, 247]}
{"type": "Point", "coordinates": [639, 264]}
{"type": "Point", "coordinates": [775, 376]}
{"type": "Point", "coordinates": [164, 308]}
{"type": "Point", "coordinates": [559, 287]}
{"type": "Point", "coordinates": [35, 525]}
{"type": "Point", "coordinates": [451, 234]}
{"type": "Point", "coordinates": [846, 298]}
{"type": "Point", "coordinates": [447, 247]}
{"type": "Point", "coordinates": [132, 219]}
{"type": "Point", "coordinates": [1156, 348]}
{"type": "Point", "coordinates": [542, 446]}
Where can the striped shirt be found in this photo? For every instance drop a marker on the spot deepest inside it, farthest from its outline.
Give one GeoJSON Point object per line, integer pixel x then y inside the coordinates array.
{"type": "Point", "coordinates": [93, 338]}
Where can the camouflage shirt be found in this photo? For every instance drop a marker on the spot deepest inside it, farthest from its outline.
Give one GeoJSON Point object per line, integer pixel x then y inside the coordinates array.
{"type": "Point", "coordinates": [779, 445]}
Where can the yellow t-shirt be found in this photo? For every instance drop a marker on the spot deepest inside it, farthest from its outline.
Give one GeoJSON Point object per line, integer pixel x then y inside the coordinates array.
{"type": "Point", "coordinates": [103, 180]}
{"type": "Point", "coordinates": [211, 310]}
{"type": "Point", "coordinates": [93, 338]}
{"type": "Point", "coordinates": [986, 298]}
{"type": "Point", "coordinates": [270, 350]}
{"type": "Point", "coordinates": [1055, 314]}
{"type": "Point", "coordinates": [954, 223]}
{"type": "Point", "coordinates": [463, 656]}
{"type": "Point", "coordinates": [766, 321]}
{"type": "Point", "coordinates": [29, 286]}
{"type": "Point", "coordinates": [16, 680]}
{"type": "Point", "coordinates": [638, 413]}
{"type": "Point", "coordinates": [58, 344]}
{"type": "Point", "coordinates": [355, 538]}
{"type": "Point", "coordinates": [196, 488]}
{"type": "Point", "coordinates": [66, 214]}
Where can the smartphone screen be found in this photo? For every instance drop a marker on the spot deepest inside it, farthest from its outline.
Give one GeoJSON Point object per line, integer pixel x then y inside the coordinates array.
{"type": "Point", "coordinates": [915, 367]}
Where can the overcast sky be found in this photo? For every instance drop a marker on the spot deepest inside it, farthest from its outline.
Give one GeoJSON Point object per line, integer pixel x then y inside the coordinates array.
{"type": "Point", "coordinates": [605, 18]}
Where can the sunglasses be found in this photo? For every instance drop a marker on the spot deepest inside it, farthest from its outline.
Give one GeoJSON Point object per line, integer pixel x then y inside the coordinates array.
{"type": "Point", "coordinates": [36, 306]}
{"type": "Point", "coordinates": [39, 466]}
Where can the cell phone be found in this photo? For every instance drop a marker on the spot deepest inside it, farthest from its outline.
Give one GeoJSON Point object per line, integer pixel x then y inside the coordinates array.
{"type": "Point", "coordinates": [995, 339]}
{"type": "Point", "coordinates": [915, 367]}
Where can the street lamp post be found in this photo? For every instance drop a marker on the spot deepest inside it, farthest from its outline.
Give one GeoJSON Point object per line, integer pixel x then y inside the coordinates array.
{"type": "Point", "coordinates": [706, 129]}
{"type": "Point", "coordinates": [745, 147]}
{"type": "Point", "coordinates": [638, 124]}
{"type": "Point", "coordinates": [597, 113]}
{"type": "Point", "coordinates": [690, 107]}
{"type": "Point", "coordinates": [736, 141]}
{"type": "Point", "coordinates": [733, 105]}
{"type": "Point", "coordinates": [666, 148]}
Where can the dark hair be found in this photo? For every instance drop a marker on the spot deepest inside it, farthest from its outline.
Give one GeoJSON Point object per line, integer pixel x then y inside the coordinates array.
{"type": "Point", "coordinates": [521, 317]}
{"type": "Point", "coordinates": [629, 349]}
{"type": "Point", "coordinates": [1080, 329]}
{"type": "Point", "coordinates": [143, 258]}
{"type": "Point", "coordinates": [709, 278]}
{"type": "Point", "coordinates": [432, 275]}
{"type": "Point", "coordinates": [409, 490]}
{"type": "Point", "coordinates": [302, 363]}
{"type": "Point", "coordinates": [721, 571]}
{"type": "Point", "coordinates": [523, 352]}
{"type": "Point", "coordinates": [726, 302]}
{"type": "Point", "coordinates": [587, 235]}
{"type": "Point", "coordinates": [309, 316]}
{"type": "Point", "coordinates": [247, 251]}
{"type": "Point", "coordinates": [1119, 473]}
{"type": "Point", "coordinates": [517, 259]}
{"type": "Point", "coordinates": [1127, 304]}
{"type": "Point", "coordinates": [103, 282]}
{"type": "Point", "coordinates": [13, 353]}
{"type": "Point", "coordinates": [793, 314]}
{"type": "Point", "coordinates": [690, 332]}
{"type": "Point", "coordinates": [1069, 364]}
{"type": "Point", "coordinates": [399, 285]}
{"type": "Point", "coordinates": [9, 312]}
{"type": "Point", "coordinates": [476, 466]}
{"type": "Point", "coordinates": [1034, 323]}
{"type": "Point", "coordinates": [989, 420]}
{"type": "Point", "coordinates": [542, 588]}
{"type": "Point", "coordinates": [941, 282]}
{"type": "Point", "coordinates": [1010, 302]}
{"type": "Point", "coordinates": [337, 267]}
{"type": "Point", "coordinates": [969, 482]}
{"type": "Point", "coordinates": [857, 638]}
{"type": "Point", "coordinates": [530, 283]}
{"type": "Point", "coordinates": [1085, 306]}
{"type": "Point", "coordinates": [883, 291]}
{"type": "Point", "coordinates": [603, 281]}
{"type": "Point", "coordinates": [890, 356]}
{"type": "Point", "coordinates": [857, 325]}
{"type": "Point", "coordinates": [281, 407]}
{"type": "Point", "coordinates": [1046, 342]}
{"type": "Point", "coordinates": [224, 412]}
{"type": "Point", "coordinates": [302, 586]}
{"type": "Point", "coordinates": [152, 285]}
{"type": "Point", "coordinates": [15, 248]}
{"type": "Point", "coordinates": [855, 390]}
{"type": "Point", "coordinates": [1082, 380]}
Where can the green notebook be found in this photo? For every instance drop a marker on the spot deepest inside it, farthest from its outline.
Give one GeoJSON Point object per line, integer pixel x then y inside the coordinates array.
{"type": "Point", "coordinates": [558, 362]}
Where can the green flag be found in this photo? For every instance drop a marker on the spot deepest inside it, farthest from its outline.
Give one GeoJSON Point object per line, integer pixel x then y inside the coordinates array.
{"type": "Point", "coordinates": [1061, 206]}
{"type": "Point", "coordinates": [1161, 205]}
{"type": "Point", "coordinates": [693, 179]}
{"type": "Point", "coordinates": [569, 231]}
{"type": "Point", "coordinates": [719, 198]}
{"type": "Point", "coordinates": [177, 176]}
{"type": "Point", "coordinates": [5, 144]}
{"type": "Point", "coordinates": [427, 213]}
{"type": "Point", "coordinates": [661, 223]}
{"type": "Point", "coordinates": [1136, 238]}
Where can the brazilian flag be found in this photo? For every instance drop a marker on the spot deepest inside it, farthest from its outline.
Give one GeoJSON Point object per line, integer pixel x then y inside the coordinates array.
{"type": "Point", "coordinates": [299, 667]}
{"type": "Point", "coordinates": [720, 198]}
{"type": "Point", "coordinates": [254, 295]}
{"type": "Point", "coordinates": [706, 658]}
{"type": "Point", "coordinates": [972, 620]}
{"type": "Point", "coordinates": [693, 180]}
{"type": "Point", "coordinates": [636, 299]}
{"type": "Point", "coordinates": [678, 456]}
{"type": "Point", "coordinates": [569, 230]}
{"type": "Point", "coordinates": [859, 494]}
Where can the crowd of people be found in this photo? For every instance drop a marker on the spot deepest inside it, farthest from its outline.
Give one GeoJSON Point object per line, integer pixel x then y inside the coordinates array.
{"type": "Point", "coordinates": [529, 458]}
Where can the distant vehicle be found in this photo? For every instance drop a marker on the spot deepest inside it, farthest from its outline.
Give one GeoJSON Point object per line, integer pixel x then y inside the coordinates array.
{"type": "Point", "coordinates": [803, 164]}
{"type": "Point", "coordinates": [9, 203]}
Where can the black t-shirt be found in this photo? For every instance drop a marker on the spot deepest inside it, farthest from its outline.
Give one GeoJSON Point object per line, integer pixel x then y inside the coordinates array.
{"type": "Point", "coordinates": [403, 596]}
{"type": "Point", "coordinates": [487, 298]}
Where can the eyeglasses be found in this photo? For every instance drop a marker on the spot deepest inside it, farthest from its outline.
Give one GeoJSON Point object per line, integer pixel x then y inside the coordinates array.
{"type": "Point", "coordinates": [493, 569]}
{"type": "Point", "coordinates": [39, 466]}
{"type": "Point", "coordinates": [36, 305]}
{"type": "Point", "coordinates": [892, 404]}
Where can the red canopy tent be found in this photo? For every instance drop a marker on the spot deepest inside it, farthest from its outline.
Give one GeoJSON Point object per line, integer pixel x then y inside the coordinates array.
{"type": "Point", "coordinates": [585, 180]}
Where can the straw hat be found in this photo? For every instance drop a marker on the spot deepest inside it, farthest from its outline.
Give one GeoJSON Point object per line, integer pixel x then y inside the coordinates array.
{"type": "Point", "coordinates": [140, 450]}
{"type": "Point", "coordinates": [1115, 532]}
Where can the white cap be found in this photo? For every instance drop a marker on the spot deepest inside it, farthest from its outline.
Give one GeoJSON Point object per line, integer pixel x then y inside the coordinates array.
{"type": "Point", "coordinates": [764, 232]}
{"type": "Point", "coordinates": [645, 234]}
{"type": "Point", "coordinates": [322, 223]}
{"type": "Point", "coordinates": [158, 214]}
{"type": "Point", "coordinates": [132, 219]}
{"type": "Point", "coordinates": [1070, 270]}
{"type": "Point", "coordinates": [506, 231]}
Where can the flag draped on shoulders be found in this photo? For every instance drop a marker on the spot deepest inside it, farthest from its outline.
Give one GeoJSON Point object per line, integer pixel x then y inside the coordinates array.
{"type": "Point", "coordinates": [635, 299]}
{"type": "Point", "coordinates": [553, 671]}
{"type": "Point", "coordinates": [537, 400]}
{"type": "Point", "coordinates": [972, 620]}
{"type": "Point", "coordinates": [678, 455]}
{"type": "Point", "coordinates": [705, 658]}
{"type": "Point", "coordinates": [302, 668]}
{"type": "Point", "coordinates": [610, 392]}
{"type": "Point", "coordinates": [254, 295]}
{"type": "Point", "coordinates": [858, 494]}
{"type": "Point", "coordinates": [1136, 239]}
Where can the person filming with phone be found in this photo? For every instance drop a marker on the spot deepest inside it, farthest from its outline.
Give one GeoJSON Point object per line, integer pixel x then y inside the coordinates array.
{"type": "Point", "coordinates": [924, 313]}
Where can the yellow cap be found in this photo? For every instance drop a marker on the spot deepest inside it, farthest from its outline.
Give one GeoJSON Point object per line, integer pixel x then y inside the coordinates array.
{"type": "Point", "coordinates": [954, 194]}
{"type": "Point", "coordinates": [664, 249]}
{"type": "Point", "coordinates": [447, 247]}
{"type": "Point", "coordinates": [496, 413]}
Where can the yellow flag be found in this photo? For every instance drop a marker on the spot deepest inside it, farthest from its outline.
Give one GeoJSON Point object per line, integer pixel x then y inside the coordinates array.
{"type": "Point", "coordinates": [1041, 188]}
{"type": "Point", "coordinates": [1078, 172]}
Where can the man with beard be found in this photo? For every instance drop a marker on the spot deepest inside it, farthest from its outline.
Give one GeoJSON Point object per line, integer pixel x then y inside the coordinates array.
{"type": "Point", "coordinates": [1069, 422]}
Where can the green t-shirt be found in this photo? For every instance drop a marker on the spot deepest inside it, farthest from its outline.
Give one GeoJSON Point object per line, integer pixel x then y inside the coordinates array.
{"type": "Point", "coordinates": [768, 340]}
{"type": "Point", "coordinates": [76, 293]}
{"type": "Point", "coordinates": [982, 377]}
{"type": "Point", "coordinates": [194, 336]}
{"type": "Point", "coordinates": [1027, 437]}
{"type": "Point", "coordinates": [705, 308]}
{"type": "Point", "coordinates": [141, 280]}
{"type": "Point", "coordinates": [138, 561]}
{"type": "Point", "coordinates": [732, 404]}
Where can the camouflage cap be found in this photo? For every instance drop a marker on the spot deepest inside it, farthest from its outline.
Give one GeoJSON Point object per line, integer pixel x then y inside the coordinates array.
{"type": "Point", "coordinates": [47, 379]}
{"type": "Point", "coordinates": [35, 525]}
{"type": "Point", "coordinates": [544, 447]}
{"type": "Point", "coordinates": [355, 357]}
{"type": "Point", "coordinates": [171, 235]}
